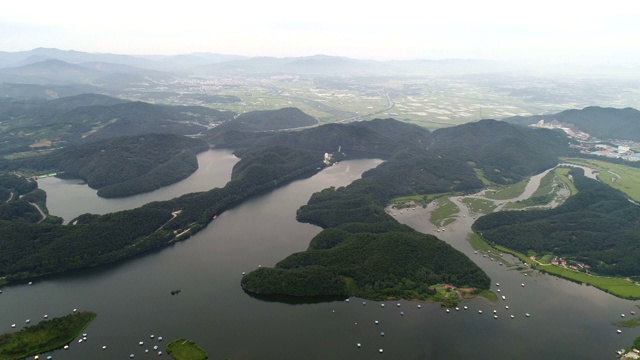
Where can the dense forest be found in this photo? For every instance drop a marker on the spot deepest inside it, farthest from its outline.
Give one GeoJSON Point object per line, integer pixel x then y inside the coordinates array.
{"type": "Point", "coordinates": [267, 120]}
{"type": "Point", "coordinates": [122, 166]}
{"type": "Point", "coordinates": [597, 226]}
{"type": "Point", "coordinates": [356, 212]}
{"type": "Point", "coordinates": [505, 153]}
{"type": "Point", "coordinates": [603, 123]}
{"type": "Point", "coordinates": [28, 249]}
{"type": "Point", "coordinates": [36, 124]}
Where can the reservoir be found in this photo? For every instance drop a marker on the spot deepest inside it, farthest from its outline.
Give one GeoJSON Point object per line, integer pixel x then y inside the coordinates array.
{"type": "Point", "coordinates": [133, 298]}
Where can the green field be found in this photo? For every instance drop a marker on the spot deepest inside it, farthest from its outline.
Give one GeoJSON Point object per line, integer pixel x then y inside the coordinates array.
{"type": "Point", "coordinates": [182, 349]}
{"type": "Point", "coordinates": [445, 213]}
{"type": "Point", "coordinates": [46, 336]}
{"type": "Point", "coordinates": [480, 206]}
{"type": "Point", "coordinates": [629, 181]}
{"type": "Point", "coordinates": [507, 192]}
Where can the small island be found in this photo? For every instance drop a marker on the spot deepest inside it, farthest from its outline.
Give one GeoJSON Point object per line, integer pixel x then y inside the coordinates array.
{"type": "Point", "coordinates": [182, 349]}
{"type": "Point", "coordinates": [43, 337]}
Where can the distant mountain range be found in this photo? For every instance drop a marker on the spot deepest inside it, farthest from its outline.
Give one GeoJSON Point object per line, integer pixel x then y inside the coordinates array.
{"type": "Point", "coordinates": [603, 123]}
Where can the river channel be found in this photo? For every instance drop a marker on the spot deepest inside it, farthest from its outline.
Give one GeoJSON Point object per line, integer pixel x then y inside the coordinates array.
{"type": "Point", "coordinates": [133, 298]}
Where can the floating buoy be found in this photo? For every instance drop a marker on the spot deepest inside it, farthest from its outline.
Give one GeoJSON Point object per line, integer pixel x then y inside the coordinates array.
{"type": "Point", "coordinates": [376, 322]}
{"type": "Point", "coordinates": [131, 356]}
{"type": "Point", "coordinates": [13, 325]}
{"type": "Point", "coordinates": [465, 307]}
{"type": "Point", "coordinates": [522, 284]}
{"type": "Point", "coordinates": [381, 333]}
{"type": "Point", "coordinates": [527, 315]}
{"type": "Point", "coordinates": [259, 266]}
{"type": "Point", "coordinates": [75, 310]}
{"type": "Point", "coordinates": [495, 316]}
{"type": "Point", "coordinates": [398, 304]}
{"type": "Point", "coordinates": [46, 316]}
{"type": "Point", "coordinates": [141, 343]}
{"type": "Point", "coordinates": [498, 290]}
{"type": "Point", "coordinates": [447, 311]}
{"type": "Point", "coordinates": [66, 347]}
{"type": "Point", "coordinates": [79, 340]}
{"type": "Point", "coordinates": [457, 309]}
{"type": "Point", "coordinates": [401, 313]}
{"type": "Point", "coordinates": [146, 351]}
{"type": "Point", "coordinates": [30, 283]}
{"type": "Point", "coordinates": [495, 311]}
{"type": "Point", "coordinates": [159, 338]}
{"type": "Point", "coordinates": [381, 305]}
{"type": "Point", "coordinates": [419, 306]}
{"type": "Point", "coordinates": [359, 345]}
{"type": "Point", "coordinates": [104, 347]}
{"type": "Point", "coordinates": [619, 331]}
{"type": "Point", "coordinates": [622, 315]}
{"type": "Point", "coordinates": [347, 300]}
{"type": "Point", "coordinates": [27, 321]}
{"type": "Point", "coordinates": [244, 273]}
{"type": "Point", "coordinates": [381, 351]}
{"type": "Point", "coordinates": [513, 317]}
{"type": "Point", "coordinates": [507, 307]}
{"type": "Point", "coordinates": [159, 353]}
{"type": "Point", "coordinates": [84, 335]}
{"type": "Point", "coordinates": [155, 347]}
{"type": "Point", "coordinates": [364, 303]}
{"type": "Point", "coordinates": [479, 311]}
{"type": "Point", "coordinates": [152, 336]}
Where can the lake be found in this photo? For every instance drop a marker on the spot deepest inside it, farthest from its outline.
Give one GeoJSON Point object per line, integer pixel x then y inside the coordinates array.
{"type": "Point", "coordinates": [133, 298]}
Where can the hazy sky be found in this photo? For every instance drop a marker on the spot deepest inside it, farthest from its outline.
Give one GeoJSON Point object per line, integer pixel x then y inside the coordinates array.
{"type": "Point", "coordinates": [590, 32]}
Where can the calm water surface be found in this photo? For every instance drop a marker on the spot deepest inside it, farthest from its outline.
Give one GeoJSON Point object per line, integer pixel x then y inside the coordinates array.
{"type": "Point", "coordinates": [132, 299]}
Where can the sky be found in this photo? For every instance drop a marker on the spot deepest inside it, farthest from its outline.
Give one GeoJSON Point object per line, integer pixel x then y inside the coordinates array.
{"type": "Point", "coordinates": [543, 31]}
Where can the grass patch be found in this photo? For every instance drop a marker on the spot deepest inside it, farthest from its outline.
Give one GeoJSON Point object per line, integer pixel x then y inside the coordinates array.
{"type": "Point", "coordinates": [508, 192]}
{"type": "Point", "coordinates": [562, 175]}
{"type": "Point", "coordinates": [480, 206]}
{"type": "Point", "coordinates": [445, 213]}
{"type": "Point", "coordinates": [407, 201]}
{"type": "Point", "coordinates": [46, 336]}
{"type": "Point", "coordinates": [482, 177]}
{"type": "Point", "coordinates": [631, 323]}
{"type": "Point", "coordinates": [629, 177]}
{"type": "Point", "coordinates": [182, 349]}
{"type": "Point", "coordinates": [489, 295]}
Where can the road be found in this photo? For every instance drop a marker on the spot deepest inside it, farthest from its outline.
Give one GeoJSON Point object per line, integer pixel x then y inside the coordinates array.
{"type": "Point", "coordinates": [44, 216]}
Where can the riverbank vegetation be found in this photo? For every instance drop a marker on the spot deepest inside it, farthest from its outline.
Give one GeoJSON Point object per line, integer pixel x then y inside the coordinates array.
{"type": "Point", "coordinates": [445, 213]}
{"type": "Point", "coordinates": [619, 176]}
{"type": "Point", "coordinates": [507, 192]}
{"type": "Point", "coordinates": [182, 349]}
{"type": "Point", "coordinates": [45, 336]}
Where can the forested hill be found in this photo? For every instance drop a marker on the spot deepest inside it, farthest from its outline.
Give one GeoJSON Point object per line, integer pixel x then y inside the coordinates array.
{"type": "Point", "coordinates": [268, 120]}
{"type": "Point", "coordinates": [598, 226]}
{"type": "Point", "coordinates": [37, 124]}
{"type": "Point", "coordinates": [603, 123]}
{"type": "Point", "coordinates": [379, 137]}
{"type": "Point", "coordinates": [121, 166]}
{"type": "Point", "coordinates": [506, 153]}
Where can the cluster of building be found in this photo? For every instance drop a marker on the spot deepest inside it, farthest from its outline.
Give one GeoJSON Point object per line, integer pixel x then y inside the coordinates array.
{"type": "Point", "coordinates": [620, 150]}
{"type": "Point", "coordinates": [577, 134]}
{"type": "Point", "coordinates": [570, 264]}
{"type": "Point", "coordinates": [612, 151]}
